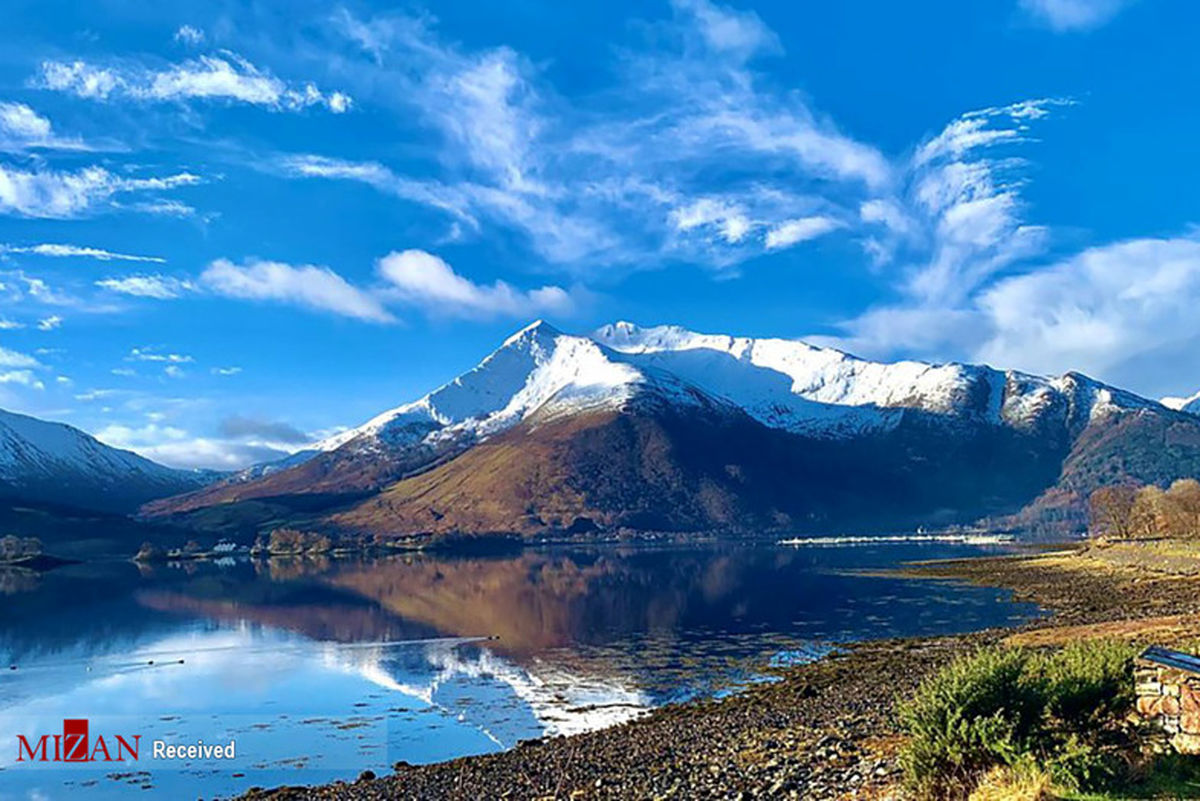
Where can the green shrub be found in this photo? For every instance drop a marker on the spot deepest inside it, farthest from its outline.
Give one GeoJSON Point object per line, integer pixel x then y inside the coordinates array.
{"type": "Point", "coordinates": [1007, 706]}
{"type": "Point", "coordinates": [1080, 764]}
{"type": "Point", "coordinates": [1087, 683]}
{"type": "Point", "coordinates": [972, 715]}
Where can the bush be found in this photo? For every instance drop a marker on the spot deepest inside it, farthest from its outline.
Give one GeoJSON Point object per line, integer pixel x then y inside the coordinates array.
{"type": "Point", "coordinates": [1003, 707]}
{"type": "Point", "coordinates": [1087, 683]}
{"type": "Point", "coordinates": [1081, 764]}
{"type": "Point", "coordinates": [971, 716]}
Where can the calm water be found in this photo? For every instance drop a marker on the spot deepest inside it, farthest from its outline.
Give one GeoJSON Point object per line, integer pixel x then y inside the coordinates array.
{"type": "Point", "coordinates": [319, 670]}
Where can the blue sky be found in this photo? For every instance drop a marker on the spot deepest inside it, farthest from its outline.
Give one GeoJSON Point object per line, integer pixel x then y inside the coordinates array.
{"type": "Point", "coordinates": [228, 228]}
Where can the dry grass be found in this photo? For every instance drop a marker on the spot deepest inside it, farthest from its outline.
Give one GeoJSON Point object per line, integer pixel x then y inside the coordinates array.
{"type": "Point", "coordinates": [1014, 784]}
{"type": "Point", "coordinates": [1166, 630]}
{"type": "Point", "coordinates": [1173, 557]}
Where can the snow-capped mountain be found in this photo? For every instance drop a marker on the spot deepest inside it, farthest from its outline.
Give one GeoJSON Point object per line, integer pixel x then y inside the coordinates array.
{"type": "Point", "coordinates": [1191, 405]}
{"type": "Point", "coordinates": [55, 462]}
{"type": "Point", "coordinates": [958, 426]}
{"type": "Point", "coordinates": [782, 383]}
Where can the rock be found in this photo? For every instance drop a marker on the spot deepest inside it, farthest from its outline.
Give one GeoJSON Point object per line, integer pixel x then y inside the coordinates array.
{"type": "Point", "coordinates": [1189, 699]}
{"type": "Point", "coordinates": [1149, 706]}
{"type": "Point", "coordinates": [1186, 743]}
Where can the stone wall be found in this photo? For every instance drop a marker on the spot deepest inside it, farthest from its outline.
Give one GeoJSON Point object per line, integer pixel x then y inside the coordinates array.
{"type": "Point", "coordinates": [1170, 698]}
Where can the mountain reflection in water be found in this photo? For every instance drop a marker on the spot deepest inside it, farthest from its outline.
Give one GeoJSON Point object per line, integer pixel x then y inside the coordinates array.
{"type": "Point", "coordinates": [429, 657]}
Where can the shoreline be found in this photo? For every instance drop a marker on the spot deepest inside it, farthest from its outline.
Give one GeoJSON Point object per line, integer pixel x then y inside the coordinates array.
{"type": "Point", "coordinates": [824, 730]}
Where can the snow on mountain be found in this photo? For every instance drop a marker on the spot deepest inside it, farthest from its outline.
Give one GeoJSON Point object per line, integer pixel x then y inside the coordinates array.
{"type": "Point", "coordinates": [790, 384]}
{"type": "Point", "coordinates": [1190, 405]}
{"type": "Point", "coordinates": [37, 456]}
{"type": "Point", "coordinates": [533, 366]}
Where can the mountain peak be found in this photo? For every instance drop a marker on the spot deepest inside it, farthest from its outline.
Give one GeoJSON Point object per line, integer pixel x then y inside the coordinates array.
{"type": "Point", "coordinates": [537, 329]}
{"type": "Point", "coordinates": [1190, 404]}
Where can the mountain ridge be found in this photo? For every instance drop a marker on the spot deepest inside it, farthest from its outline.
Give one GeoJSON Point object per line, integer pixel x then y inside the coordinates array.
{"type": "Point", "coordinates": [645, 393]}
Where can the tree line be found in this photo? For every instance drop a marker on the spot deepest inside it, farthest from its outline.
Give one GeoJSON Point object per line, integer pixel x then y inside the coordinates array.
{"type": "Point", "coordinates": [1149, 511]}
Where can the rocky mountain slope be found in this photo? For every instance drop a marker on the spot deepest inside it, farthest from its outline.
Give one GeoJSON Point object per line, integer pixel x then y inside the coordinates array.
{"type": "Point", "coordinates": [41, 461]}
{"type": "Point", "coordinates": [665, 429]}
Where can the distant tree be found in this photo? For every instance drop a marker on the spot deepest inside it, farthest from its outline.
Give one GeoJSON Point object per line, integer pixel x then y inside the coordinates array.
{"type": "Point", "coordinates": [289, 541]}
{"type": "Point", "coordinates": [1147, 519]}
{"type": "Point", "coordinates": [149, 552]}
{"type": "Point", "coordinates": [286, 541]}
{"type": "Point", "coordinates": [318, 543]}
{"type": "Point", "coordinates": [1110, 511]}
{"type": "Point", "coordinates": [1181, 508]}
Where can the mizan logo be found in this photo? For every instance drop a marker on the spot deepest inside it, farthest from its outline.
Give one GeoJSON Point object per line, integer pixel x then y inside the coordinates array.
{"type": "Point", "coordinates": [75, 745]}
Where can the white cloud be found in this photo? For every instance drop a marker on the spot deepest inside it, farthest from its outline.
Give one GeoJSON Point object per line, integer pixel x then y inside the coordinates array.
{"type": "Point", "coordinates": [225, 370]}
{"type": "Point", "coordinates": [791, 232]}
{"type": "Point", "coordinates": [309, 286]}
{"type": "Point", "coordinates": [1096, 310]}
{"type": "Point", "coordinates": [68, 251]}
{"type": "Point", "coordinates": [122, 436]}
{"type": "Point", "coordinates": [956, 226]}
{"type": "Point", "coordinates": [587, 185]}
{"type": "Point", "coordinates": [21, 122]}
{"type": "Point", "coordinates": [25, 378]}
{"type": "Point", "coordinates": [98, 394]}
{"type": "Point", "coordinates": [1072, 15]}
{"type": "Point", "coordinates": [18, 368]}
{"type": "Point", "coordinates": [1111, 311]}
{"type": "Point", "coordinates": [124, 372]}
{"type": "Point", "coordinates": [22, 128]}
{"type": "Point", "coordinates": [12, 358]}
{"type": "Point", "coordinates": [53, 194]}
{"type": "Point", "coordinates": [486, 105]}
{"type": "Point", "coordinates": [227, 77]}
{"type": "Point", "coordinates": [426, 280]}
{"type": "Point", "coordinates": [728, 219]}
{"type": "Point", "coordinates": [49, 323]}
{"type": "Point", "coordinates": [188, 34]}
{"type": "Point", "coordinates": [173, 371]}
{"type": "Point", "coordinates": [62, 195]}
{"type": "Point", "coordinates": [148, 354]}
{"type": "Point", "coordinates": [160, 287]}
{"type": "Point", "coordinates": [430, 193]}
{"type": "Point", "coordinates": [727, 30]}
{"type": "Point", "coordinates": [164, 208]}
{"type": "Point", "coordinates": [9, 325]}
{"type": "Point", "coordinates": [177, 447]}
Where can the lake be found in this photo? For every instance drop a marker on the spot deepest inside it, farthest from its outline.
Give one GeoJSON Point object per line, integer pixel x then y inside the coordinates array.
{"type": "Point", "coordinates": [316, 670]}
